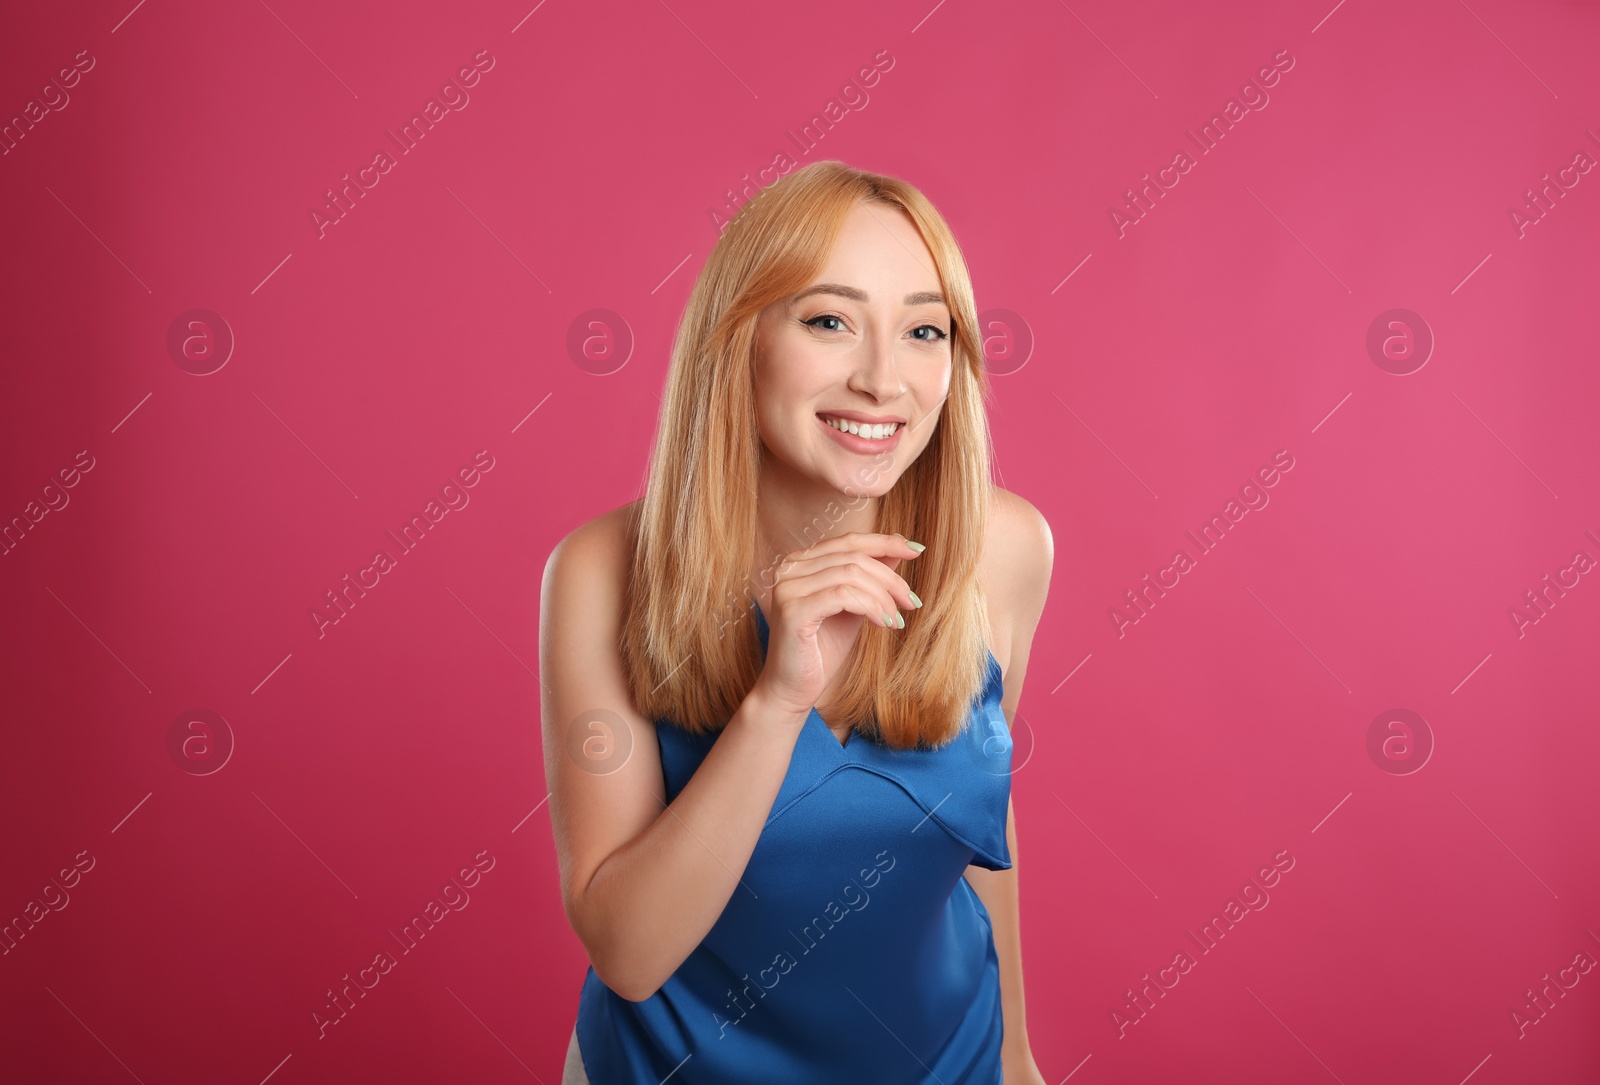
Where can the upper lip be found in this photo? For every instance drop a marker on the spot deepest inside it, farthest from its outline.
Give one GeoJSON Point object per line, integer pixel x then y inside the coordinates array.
{"type": "Point", "coordinates": [864, 419]}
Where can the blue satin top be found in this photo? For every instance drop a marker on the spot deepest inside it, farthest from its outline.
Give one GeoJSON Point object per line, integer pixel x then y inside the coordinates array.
{"type": "Point", "coordinates": [852, 949]}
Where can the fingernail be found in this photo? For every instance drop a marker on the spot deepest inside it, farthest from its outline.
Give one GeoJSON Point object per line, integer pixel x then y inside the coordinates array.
{"type": "Point", "coordinates": [901, 619]}
{"type": "Point", "coordinates": [888, 622]}
{"type": "Point", "coordinates": [914, 598]}
{"type": "Point", "coordinates": [915, 545]}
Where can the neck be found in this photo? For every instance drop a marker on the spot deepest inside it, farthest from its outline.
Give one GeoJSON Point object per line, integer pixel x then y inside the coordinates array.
{"type": "Point", "coordinates": [794, 513]}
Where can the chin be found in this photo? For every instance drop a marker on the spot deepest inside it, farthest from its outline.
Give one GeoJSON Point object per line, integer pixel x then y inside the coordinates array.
{"type": "Point", "coordinates": [853, 487]}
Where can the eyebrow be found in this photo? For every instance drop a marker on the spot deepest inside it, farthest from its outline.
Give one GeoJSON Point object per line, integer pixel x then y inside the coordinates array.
{"type": "Point", "coordinates": [921, 297]}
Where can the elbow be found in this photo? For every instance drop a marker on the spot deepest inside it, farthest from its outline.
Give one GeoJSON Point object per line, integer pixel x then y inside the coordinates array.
{"type": "Point", "coordinates": [611, 962]}
{"type": "Point", "coordinates": [625, 983]}
{"type": "Point", "coordinates": [634, 991]}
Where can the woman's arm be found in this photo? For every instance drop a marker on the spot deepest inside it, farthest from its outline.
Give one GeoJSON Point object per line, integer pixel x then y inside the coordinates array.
{"type": "Point", "coordinates": [642, 882]}
{"type": "Point", "coordinates": [1019, 590]}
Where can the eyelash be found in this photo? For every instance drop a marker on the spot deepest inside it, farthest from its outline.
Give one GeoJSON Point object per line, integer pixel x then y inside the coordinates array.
{"type": "Point", "coordinates": [812, 323]}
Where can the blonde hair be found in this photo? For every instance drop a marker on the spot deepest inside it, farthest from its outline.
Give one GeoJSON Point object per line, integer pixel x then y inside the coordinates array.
{"type": "Point", "coordinates": [694, 532]}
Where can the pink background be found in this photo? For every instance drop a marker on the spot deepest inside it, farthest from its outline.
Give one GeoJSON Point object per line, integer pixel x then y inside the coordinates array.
{"type": "Point", "coordinates": [236, 878]}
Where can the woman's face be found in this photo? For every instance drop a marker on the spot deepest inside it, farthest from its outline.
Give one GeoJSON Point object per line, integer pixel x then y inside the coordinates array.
{"type": "Point", "coordinates": [868, 340]}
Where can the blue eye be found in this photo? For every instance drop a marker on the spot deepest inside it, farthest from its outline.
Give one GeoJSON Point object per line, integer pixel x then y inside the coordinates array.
{"type": "Point", "coordinates": [939, 334]}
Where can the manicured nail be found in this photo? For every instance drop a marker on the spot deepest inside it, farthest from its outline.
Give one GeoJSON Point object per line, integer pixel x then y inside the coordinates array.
{"type": "Point", "coordinates": [901, 619]}
{"type": "Point", "coordinates": [888, 622]}
{"type": "Point", "coordinates": [915, 546]}
{"type": "Point", "coordinates": [914, 598]}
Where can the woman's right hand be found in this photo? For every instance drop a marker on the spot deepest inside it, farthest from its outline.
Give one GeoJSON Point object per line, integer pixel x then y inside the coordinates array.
{"type": "Point", "coordinates": [819, 600]}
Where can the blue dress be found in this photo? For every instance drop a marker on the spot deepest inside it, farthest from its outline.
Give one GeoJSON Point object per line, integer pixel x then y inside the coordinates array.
{"type": "Point", "coordinates": [852, 950]}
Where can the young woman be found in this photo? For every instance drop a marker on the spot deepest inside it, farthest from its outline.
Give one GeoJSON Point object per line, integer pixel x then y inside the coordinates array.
{"type": "Point", "coordinates": [777, 688]}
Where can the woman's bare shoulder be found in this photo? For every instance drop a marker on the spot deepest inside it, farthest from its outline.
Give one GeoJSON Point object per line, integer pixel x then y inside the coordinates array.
{"type": "Point", "coordinates": [588, 569]}
{"type": "Point", "coordinates": [1017, 557]}
{"type": "Point", "coordinates": [607, 529]}
{"type": "Point", "coordinates": [599, 543]}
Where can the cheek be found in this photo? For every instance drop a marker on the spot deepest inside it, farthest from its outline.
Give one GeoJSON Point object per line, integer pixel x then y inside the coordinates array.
{"type": "Point", "coordinates": [931, 389]}
{"type": "Point", "coordinates": [777, 372]}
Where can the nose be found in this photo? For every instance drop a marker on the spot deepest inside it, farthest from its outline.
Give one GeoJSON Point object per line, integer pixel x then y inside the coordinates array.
{"type": "Point", "coordinates": [877, 373]}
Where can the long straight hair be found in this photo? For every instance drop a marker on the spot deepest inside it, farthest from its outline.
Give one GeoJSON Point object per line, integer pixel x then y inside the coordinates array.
{"type": "Point", "coordinates": [690, 646]}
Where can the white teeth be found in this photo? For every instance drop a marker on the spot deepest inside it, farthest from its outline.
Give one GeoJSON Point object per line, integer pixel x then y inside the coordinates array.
{"type": "Point", "coordinates": [872, 433]}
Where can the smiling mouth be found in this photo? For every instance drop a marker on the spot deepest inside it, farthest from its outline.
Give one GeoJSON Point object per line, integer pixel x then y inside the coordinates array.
{"type": "Point", "coordinates": [878, 431]}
